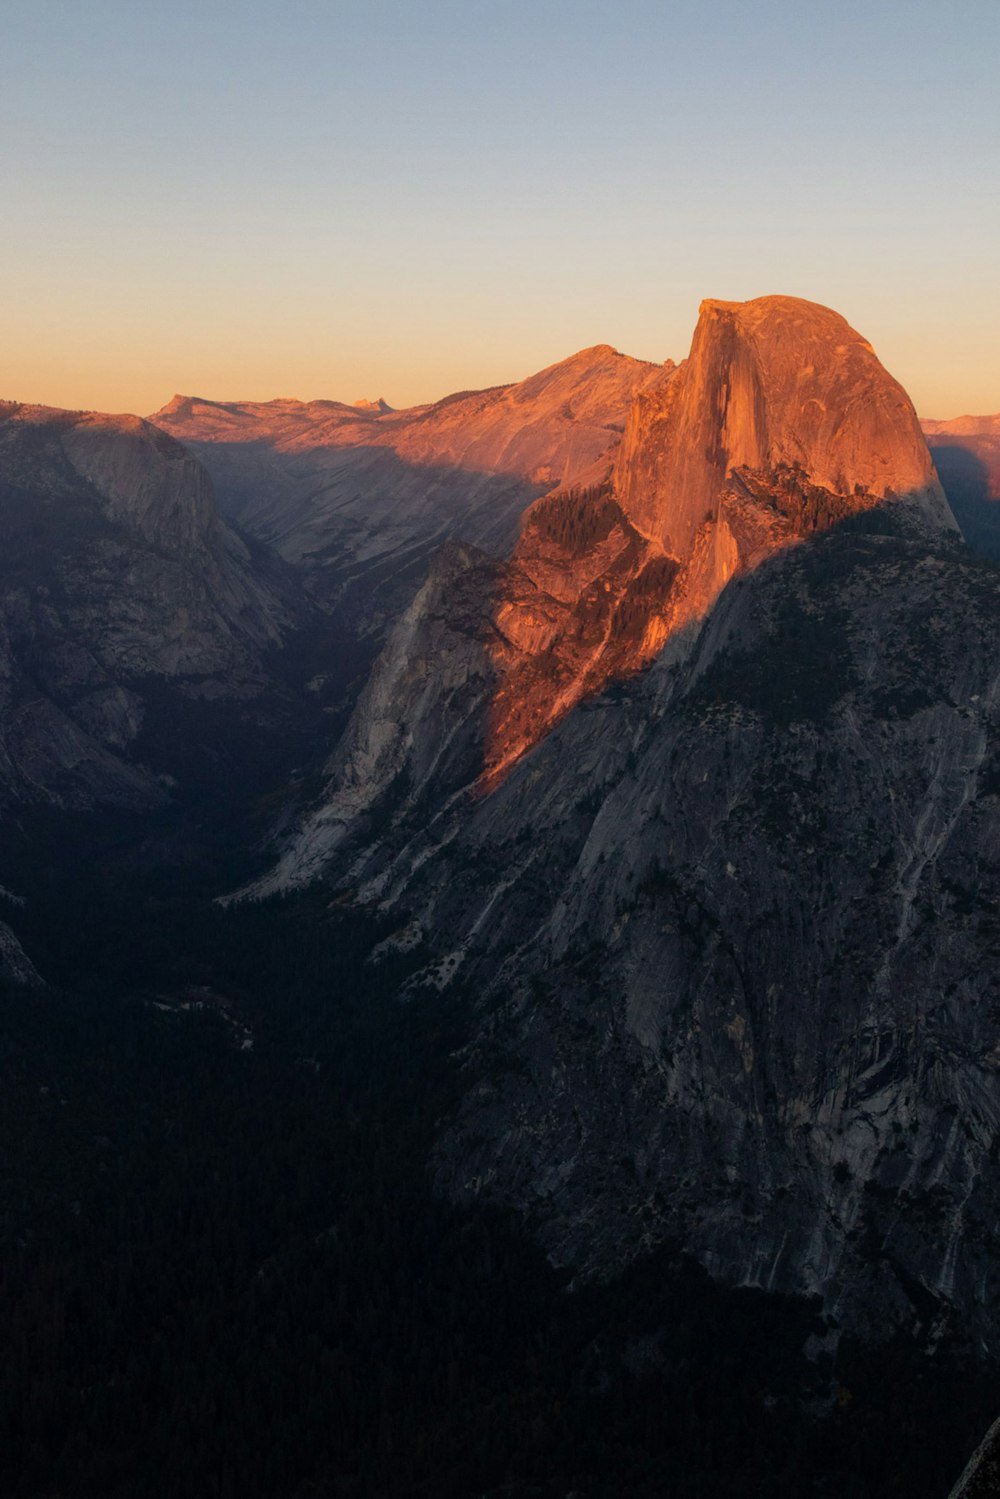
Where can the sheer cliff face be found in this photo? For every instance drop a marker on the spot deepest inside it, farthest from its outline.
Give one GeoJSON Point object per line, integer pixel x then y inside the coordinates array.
{"type": "Point", "coordinates": [119, 580]}
{"type": "Point", "coordinates": [732, 930]}
{"type": "Point", "coordinates": [730, 927]}
{"type": "Point", "coordinates": [771, 385]}
{"type": "Point", "coordinates": [361, 496]}
{"type": "Point", "coordinates": [781, 424]}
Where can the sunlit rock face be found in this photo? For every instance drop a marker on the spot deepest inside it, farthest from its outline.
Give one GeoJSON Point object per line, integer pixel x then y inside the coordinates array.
{"type": "Point", "coordinates": [118, 581]}
{"type": "Point", "coordinates": [361, 496]}
{"type": "Point", "coordinates": [607, 575]}
{"type": "Point", "coordinates": [781, 422]}
{"type": "Point", "coordinates": [771, 386]}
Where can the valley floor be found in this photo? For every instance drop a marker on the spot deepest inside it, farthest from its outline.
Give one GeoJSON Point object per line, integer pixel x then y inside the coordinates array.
{"type": "Point", "coordinates": [224, 1272]}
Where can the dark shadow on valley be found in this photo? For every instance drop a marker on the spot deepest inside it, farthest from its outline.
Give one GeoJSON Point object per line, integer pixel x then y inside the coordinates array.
{"type": "Point", "coordinates": [225, 1272]}
{"type": "Point", "coordinates": [972, 493]}
{"type": "Point", "coordinates": [247, 473]}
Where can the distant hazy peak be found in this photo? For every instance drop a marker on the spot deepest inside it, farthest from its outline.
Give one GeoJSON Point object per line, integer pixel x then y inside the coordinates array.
{"type": "Point", "coordinates": [598, 362]}
{"type": "Point", "coordinates": [963, 426]}
{"type": "Point", "coordinates": [179, 404]}
{"type": "Point", "coordinates": [379, 404]}
{"type": "Point", "coordinates": [595, 354]}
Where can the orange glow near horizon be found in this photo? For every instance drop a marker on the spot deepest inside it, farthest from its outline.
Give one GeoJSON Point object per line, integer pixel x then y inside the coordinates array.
{"type": "Point", "coordinates": [136, 367]}
{"type": "Point", "coordinates": [404, 201]}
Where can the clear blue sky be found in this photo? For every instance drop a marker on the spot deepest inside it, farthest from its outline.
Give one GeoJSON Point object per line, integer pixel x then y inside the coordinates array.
{"type": "Point", "coordinates": [316, 199]}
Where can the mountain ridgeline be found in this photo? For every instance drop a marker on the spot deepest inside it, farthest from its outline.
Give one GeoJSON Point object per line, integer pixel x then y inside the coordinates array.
{"type": "Point", "coordinates": [123, 590]}
{"type": "Point", "coordinates": [780, 424]}
{"type": "Point", "coordinates": [966, 453]}
{"type": "Point", "coordinates": [360, 497]}
{"type": "Point", "coordinates": [728, 920]}
{"type": "Point", "coordinates": [549, 837]}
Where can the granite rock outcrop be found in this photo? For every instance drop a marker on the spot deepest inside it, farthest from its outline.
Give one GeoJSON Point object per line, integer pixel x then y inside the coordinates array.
{"type": "Point", "coordinates": [359, 497]}
{"type": "Point", "coordinates": [780, 424]}
{"type": "Point", "coordinates": [729, 927]}
{"type": "Point", "coordinates": [732, 930]}
{"type": "Point", "coordinates": [120, 582]}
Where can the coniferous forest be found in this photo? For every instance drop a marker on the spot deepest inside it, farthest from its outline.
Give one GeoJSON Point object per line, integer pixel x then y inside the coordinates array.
{"type": "Point", "coordinates": [225, 1271]}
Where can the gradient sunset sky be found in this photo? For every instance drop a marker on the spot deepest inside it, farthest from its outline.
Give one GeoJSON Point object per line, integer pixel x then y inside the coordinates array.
{"type": "Point", "coordinates": [250, 200]}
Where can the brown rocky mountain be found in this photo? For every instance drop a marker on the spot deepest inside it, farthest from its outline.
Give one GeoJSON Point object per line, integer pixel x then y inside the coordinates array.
{"type": "Point", "coordinates": [730, 924]}
{"type": "Point", "coordinates": [780, 424]}
{"type": "Point", "coordinates": [696, 790]}
{"type": "Point", "coordinates": [689, 807]}
{"type": "Point", "coordinates": [361, 496]}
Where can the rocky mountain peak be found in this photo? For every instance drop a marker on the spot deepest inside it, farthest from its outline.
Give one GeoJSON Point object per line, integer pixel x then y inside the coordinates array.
{"type": "Point", "coordinates": [118, 573]}
{"type": "Point", "coordinates": [781, 423]}
{"type": "Point", "coordinates": [378, 405]}
{"type": "Point", "coordinates": [590, 383]}
{"type": "Point", "coordinates": [180, 405]}
{"type": "Point", "coordinates": [776, 383]}
{"type": "Point", "coordinates": [144, 478]}
{"type": "Point", "coordinates": [150, 482]}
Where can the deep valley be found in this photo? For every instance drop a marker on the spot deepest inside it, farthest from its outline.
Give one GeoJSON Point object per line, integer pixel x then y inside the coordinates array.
{"type": "Point", "coordinates": [498, 930]}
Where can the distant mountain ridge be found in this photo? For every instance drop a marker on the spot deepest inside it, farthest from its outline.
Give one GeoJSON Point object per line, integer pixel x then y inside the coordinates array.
{"type": "Point", "coordinates": [979, 435]}
{"type": "Point", "coordinates": [781, 423]}
{"type": "Point", "coordinates": [966, 451]}
{"type": "Point", "coordinates": [360, 497]}
{"type": "Point", "coordinates": [727, 922]}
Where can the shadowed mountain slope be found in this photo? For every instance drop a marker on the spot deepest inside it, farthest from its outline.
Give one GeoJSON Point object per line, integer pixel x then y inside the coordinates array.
{"type": "Point", "coordinates": [733, 928]}
{"type": "Point", "coordinates": [360, 496]}
{"type": "Point", "coordinates": [780, 424]}
{"type": "Point", "coordinates": [966, 452]}
{"type": "Point", "coordinates": [120, 582]}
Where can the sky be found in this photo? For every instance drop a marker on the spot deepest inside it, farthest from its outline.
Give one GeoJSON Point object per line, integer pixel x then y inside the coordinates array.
{"type": "Point", "coordinates": [247, 200]}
